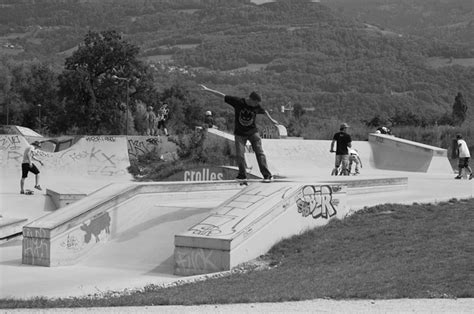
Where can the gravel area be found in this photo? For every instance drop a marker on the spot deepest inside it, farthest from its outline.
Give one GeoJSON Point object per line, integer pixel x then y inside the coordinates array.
{"type": "Point", "coordinates": [313, 306]}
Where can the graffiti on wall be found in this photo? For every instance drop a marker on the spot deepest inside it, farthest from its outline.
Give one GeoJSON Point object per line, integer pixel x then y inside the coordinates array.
{"type": "Point", "coordinates": [71, 243]}
{"type": "Point", "coordinates": [142, 145]}
{"type": "Point", "coordinates": [196, 259]}
{"type": "Point", "coordinates": [317, 201]}
{"type": "Point", "coordinates": [10, 149]}
{"type": "Point", "coordinates": [35, 245]}
{"type": "Point", "coordinates": [96, 226]}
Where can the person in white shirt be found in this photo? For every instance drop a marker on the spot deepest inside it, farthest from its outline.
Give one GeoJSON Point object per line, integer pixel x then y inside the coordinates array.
{"type": "Point", "coordinates": [464, 156]}
{"type": "Point", "coordinates": [27, 165]}
{"type": "Point", "coordinates": [354, 158]}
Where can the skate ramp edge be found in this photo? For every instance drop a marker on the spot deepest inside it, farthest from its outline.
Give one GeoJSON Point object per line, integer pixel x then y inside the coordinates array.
{"type": "Point", "coordinates": [250, 223]}
{"type": "Point", "coordinates": [65, 236]}
{"type": "Point", "coordinates": [393, 153]}
{"type": "Point", "coordinates": [10, 227]}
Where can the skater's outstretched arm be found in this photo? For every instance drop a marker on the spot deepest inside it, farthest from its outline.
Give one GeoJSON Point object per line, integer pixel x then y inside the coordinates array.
{"type": "Point", "coordinates": [212, 91]}
{"type": "Point", "coordinates": [270, 117]}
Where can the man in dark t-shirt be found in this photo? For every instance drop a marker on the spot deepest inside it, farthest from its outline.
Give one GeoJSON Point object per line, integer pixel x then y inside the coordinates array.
{"type": "Point", "coordinates": [245, 129]}
{"type": "Point", "coordinates": [343, 141]}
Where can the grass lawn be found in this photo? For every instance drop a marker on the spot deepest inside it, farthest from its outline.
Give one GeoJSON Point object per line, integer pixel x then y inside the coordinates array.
{"type": "Point", "coordinates": [382, 252]}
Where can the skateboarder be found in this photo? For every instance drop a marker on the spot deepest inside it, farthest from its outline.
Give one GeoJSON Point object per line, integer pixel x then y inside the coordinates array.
{"type": "Point", "coordinates": [27, 165]}
{"type": "Point", "coordinates": [343, 141]}
{"type": "Point", "coordinates": [464, 156]}
{"type": "Point", "coordinates": [245, 129]}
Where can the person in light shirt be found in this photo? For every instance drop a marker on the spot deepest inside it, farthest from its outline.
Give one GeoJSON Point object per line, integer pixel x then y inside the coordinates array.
{"type": "Point", "coordinates": [354, 158]}
{"type": "Point", "coordinates": [27, 165]}
{"type": "Point", "coordinates": [464, 156]}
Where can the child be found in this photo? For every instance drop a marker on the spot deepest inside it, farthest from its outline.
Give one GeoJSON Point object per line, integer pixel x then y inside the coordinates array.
{"type": "Point", "coordinates": [354, 158]}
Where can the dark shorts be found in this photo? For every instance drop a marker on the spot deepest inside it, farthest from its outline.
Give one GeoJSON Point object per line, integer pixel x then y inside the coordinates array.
{"type": "Point", "coordinates": [25, 168]}
{"type": "Point", "coordinates": [463, 162]}
{"type": "Point", "coordinates": [161, 124]}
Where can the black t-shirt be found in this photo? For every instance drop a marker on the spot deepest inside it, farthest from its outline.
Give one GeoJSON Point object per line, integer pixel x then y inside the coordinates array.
{"type": "Point", "coordinates": [342, 139]}
{"type": "Point", "coordinates": [245, 115]}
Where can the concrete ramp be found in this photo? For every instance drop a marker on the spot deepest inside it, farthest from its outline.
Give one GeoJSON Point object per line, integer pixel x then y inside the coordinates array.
{"type": "Point", "coordinates": [71, 233]}
{"type": "Point", "coordinates": [251, 222]}
{"type": "Point", "coordinates": [393, 153]}
{"type": "Point", "coordinates": [311, 158]}
{"type": "Point", "coordinates": [94, 156]}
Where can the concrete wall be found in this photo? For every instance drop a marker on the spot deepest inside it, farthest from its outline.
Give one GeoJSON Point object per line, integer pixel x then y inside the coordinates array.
{"type": "Point", "coordinates": [104, 156]}
{"type": "Point", "coordinates": [393, 153]}
{"type": "Point", "coordinates": [67, 235]}
{"type": "Point", "coordinates": [251, 222]}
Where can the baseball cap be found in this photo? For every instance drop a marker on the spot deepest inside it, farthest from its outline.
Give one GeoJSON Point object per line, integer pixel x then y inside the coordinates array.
{"type": "Point", "coordinates": [344, 125]}
{"type": "Point", "coordinates": [208, 113]}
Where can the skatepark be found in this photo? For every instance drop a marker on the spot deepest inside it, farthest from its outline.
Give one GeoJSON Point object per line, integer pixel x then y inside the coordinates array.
{"type": "Point", "coordinates": [93, 229]}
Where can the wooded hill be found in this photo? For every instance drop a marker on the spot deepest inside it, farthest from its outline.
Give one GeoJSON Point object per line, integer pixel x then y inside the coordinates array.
{"type": "Point", "coordinates": [303, 52]}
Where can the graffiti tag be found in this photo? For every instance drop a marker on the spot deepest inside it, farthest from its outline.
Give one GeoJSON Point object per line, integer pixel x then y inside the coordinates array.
{"type": "Point", "coordinates": [316, 201]}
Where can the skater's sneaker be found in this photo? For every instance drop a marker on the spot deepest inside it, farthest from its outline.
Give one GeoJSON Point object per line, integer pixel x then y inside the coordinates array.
{"type": "Point", "coordinates": [458, 177]}
{"type": "Point", "coordinates": [268, 179]}
{"type": "Point", "coordinates": [471, 176]}
{"type": "Point", "coordinates": [22, 192]}
{"type": "Point", "coordinates": [38, 187]}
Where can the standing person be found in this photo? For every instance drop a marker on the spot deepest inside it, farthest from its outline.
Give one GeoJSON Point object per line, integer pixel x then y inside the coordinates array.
{"type": "Point", "coordinates": [162, 117]}
{"type": "Point", "coordinates": [464, 156]}
{"type": "Point", "coordinates": [150, 118]}
{"type": "Point", "coordinates": [208, 120]}
{"type": "Point", "coordinates": [245, 129]}
{"type": "Point", "coordinates": [354, 158]}
{"type": "Point", "coordinates": [344, 142]}
{"type": "Point", "coordinates": [27, 165]}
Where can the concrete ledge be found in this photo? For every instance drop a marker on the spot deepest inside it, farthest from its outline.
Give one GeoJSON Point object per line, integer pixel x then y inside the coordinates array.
{"type": "Point", "coordinates": [68, 234]}
{"type": "Point", "coordinates": [358, 185]}
{"type": "Point", "coordinates": [251, 222]}
{"type": "Point", "coordinates": [10, 226]}
{"type": "Point", "coordinates": [64, 197]}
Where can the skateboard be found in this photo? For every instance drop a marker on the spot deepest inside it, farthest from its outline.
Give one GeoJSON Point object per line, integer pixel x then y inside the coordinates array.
{"type": "Point", "coordinates": [247, 181]}
{"type": "Point", "coordinates": [29, 192]}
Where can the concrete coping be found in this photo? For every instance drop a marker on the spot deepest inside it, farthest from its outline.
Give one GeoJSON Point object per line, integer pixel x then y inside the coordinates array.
{"type": "Point", "coordinates": [436, 150]}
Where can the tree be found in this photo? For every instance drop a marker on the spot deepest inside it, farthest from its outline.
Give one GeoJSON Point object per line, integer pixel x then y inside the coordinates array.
{"type": "Point", "coordinates": [459, 109]}
{"type": "Point", "coordinates": [101, 84]}
{"type": "Point", "coordinates": [33, 95]}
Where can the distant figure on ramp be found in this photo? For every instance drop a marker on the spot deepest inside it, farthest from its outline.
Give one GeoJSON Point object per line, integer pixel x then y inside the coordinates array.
{"type": "Point", "coordinates": [354, 158]}
{"type": "Point", "coordinates": [464, 156]}
{"type": "Point", "coordinates": [245, 112]}
{"type": "Point", "coordinates": [344, 142]}
{"type": "Point", "coordinates": [27, 165]}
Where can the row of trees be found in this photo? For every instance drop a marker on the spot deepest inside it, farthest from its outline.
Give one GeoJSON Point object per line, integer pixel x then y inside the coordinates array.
{"type": "Point", "coordinates": [103, 89]}
{"type": "Point", "coordinates": [335, 68]}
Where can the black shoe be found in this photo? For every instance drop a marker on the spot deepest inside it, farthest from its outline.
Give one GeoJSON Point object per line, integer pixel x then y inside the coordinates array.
{"type": "Point", "coordinates": [458, 177]}
{"type": "Point", "coordinates": [241, 178]}
{"type": "Point", "coordinates": [471, 176]}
